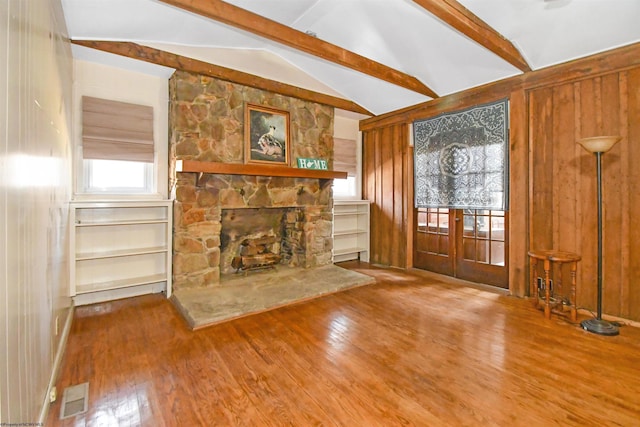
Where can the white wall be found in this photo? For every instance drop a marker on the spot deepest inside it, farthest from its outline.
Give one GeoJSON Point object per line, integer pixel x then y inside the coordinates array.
{"type": "Point", "coordinates": [346, 128]}
{"type": "Point", "coordinates": [118, 84]}
{"type": "Point", "coordinates": [35, 188]}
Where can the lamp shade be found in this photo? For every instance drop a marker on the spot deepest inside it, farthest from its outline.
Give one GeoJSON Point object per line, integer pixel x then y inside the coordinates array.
{"type": "Point", "coordinates": [599, 144]}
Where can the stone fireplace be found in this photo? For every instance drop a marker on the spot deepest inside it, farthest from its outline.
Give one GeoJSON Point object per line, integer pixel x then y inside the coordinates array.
{"type": "Point", "coordinates": [207, 125]}
{"type": "Point", "coordinates": [214, 213]}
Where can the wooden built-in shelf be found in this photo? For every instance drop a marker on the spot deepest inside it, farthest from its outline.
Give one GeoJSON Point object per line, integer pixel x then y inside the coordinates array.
{"type": "Point", "coordinates": [120, 253]}
{"type": "Point", "coordinates": [350, 230]}
{"type": "Point", "coordinates": [115, 245]}
{"type": "Point", "coordinates": [121, 283]}
{"type": "Point", "coordinates": [253, 169]}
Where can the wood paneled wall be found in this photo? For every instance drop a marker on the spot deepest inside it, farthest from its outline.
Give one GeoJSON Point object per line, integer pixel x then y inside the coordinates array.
{"type": "Point", "coordinates": [388, 179]}
{"type": "Point", "coordinates": [35, 121]}
{"type": "Point", "coordinates": [385, 166]}
{"type": "Point", "coordinates": [563, 182]}
{"type": "Point", "coordinates": [552, 179]}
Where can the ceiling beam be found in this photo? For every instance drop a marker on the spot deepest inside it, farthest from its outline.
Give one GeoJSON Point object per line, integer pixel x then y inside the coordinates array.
{"type": "Point", "coordinates": [256, 24]}
{"type": "Point", "coordinates": [463, 20]}
{"type": "Point", "coordinates": [171, 60]}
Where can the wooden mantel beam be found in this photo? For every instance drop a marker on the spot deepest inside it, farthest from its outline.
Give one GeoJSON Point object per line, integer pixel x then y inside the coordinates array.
{"type": "Point", "coordinates": [255, 170]}
{"type": "Point", "coordinates": [243, 19]}
{"type": "Point", "coordinates": [462, 19]}
{"type": "Point", "coordinates": [171, 60]}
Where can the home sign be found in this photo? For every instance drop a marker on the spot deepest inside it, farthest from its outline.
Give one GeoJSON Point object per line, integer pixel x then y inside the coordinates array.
{"type": "Point", "coordinates": [318, 164]}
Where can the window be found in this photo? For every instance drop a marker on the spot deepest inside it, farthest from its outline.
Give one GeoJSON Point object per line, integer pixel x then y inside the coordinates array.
{"type": "Point", "coordinates": [117, 176]}
{"type": "Point", "coordinates": [344, 188]}
{"type": "Point", "coordinates": [117, 147]}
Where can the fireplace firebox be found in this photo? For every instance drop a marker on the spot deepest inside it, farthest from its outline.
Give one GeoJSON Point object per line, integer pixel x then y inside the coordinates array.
{"type": "Point", "coordinates": [255, 238]}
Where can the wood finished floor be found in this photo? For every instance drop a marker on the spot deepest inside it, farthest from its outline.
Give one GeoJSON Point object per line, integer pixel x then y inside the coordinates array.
{"type": "Point", "coordinates": [409, 350]}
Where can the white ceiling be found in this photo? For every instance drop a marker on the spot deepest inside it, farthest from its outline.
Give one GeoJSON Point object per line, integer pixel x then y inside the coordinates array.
{"type": "Point", "coordinates": [397, 33]}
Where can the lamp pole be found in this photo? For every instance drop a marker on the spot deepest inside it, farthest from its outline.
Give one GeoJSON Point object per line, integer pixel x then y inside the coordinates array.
{"type": "Point", "coordinates": [598, 146]}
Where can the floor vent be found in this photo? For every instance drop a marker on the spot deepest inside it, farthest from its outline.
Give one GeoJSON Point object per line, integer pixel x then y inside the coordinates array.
{"type": "Point", "coordinates": [75, 400]}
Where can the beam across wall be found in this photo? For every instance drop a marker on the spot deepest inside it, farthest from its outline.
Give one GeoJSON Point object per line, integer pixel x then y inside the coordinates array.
{"type": "Point", "coordinates": [172, 60]}
{"type": "Point", "coordinates": [237, 17]}
{"type": "Point", "coordinates": [621, 58]}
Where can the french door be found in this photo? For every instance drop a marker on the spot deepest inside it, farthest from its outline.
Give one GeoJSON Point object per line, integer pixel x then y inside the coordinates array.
{"type": "Point", "coordinates": [464, 243]}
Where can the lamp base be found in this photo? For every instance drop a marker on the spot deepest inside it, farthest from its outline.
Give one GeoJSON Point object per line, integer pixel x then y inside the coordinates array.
{"type": "Point", "coordinates": [600, 327]}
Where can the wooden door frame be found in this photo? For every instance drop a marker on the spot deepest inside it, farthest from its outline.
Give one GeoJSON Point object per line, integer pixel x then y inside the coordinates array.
{"type": "Point", "coordinates": [519, 170]}
{"type": "Point", "coordinates": [438, 264]}
{"type": "Point", "coordinates": [482, 273]}
{"type": "Point", "coordinates": [454, 264]}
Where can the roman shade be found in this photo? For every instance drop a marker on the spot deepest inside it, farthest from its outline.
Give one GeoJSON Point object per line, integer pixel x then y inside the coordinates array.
{"type": "Point", "coordinates": [461, 158]}
{"type": "Point", "coordinates": [113, 130]}
{"type": "Point", "coordinates": [345, 156]}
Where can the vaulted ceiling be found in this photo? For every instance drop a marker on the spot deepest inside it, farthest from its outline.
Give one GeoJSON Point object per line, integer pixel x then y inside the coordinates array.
{"type": "Point", "coordinates": [363, 56]}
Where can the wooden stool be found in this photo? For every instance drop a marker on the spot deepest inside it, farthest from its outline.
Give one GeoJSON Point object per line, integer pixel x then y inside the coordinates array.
{"type": "Point", "coordinates": [550, 257]}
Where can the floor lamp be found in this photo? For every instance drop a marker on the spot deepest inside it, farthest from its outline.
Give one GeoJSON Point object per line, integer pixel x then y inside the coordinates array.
{"type": "Point", "coordinates": [599, 145]}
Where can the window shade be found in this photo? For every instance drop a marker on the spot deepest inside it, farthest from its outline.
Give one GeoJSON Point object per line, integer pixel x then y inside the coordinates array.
{"type": "Point", "coordinates": [461, 158]}
{"type": "Point", "coordinates": [113, 130]}
{"type": "Point", "coordinates": [345, 156]}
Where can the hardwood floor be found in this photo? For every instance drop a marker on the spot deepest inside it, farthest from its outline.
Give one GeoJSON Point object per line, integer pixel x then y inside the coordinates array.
{"type": "Point", "coordinates": [413, 349]}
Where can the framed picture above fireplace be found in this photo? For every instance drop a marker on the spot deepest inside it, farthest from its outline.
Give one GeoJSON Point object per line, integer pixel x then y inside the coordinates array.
{"type": "Point", "coordinates": [267, 137]}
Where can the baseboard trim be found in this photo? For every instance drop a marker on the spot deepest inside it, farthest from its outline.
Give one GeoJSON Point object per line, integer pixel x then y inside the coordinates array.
{"type": "Point", "coordinates": [461, 282]}
{"type": "Point", "coordinates": [621, 320]}
{"type": "Point", "coordinates": [57, 363]}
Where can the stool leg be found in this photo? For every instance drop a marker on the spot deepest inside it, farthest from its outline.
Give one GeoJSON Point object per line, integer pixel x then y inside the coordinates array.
{"type": "Point", "coordinates": [574, 302]}
{"type": "Point", "coordinates": [547, 290]}
{"type": "Point", "coordinates": [533, 283]}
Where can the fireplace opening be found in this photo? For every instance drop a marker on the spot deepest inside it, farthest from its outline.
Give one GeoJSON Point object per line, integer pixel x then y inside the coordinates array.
{"type": "Point", "coordinates": [255, 238]}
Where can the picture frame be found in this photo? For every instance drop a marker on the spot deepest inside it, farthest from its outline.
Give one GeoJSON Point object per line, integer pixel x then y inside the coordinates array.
{"type": "Point", "coordinates": [267, 135]}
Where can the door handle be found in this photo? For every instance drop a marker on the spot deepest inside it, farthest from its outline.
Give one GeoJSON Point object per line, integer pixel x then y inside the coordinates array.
{"type": "Point", "coordinates": [457, 219]}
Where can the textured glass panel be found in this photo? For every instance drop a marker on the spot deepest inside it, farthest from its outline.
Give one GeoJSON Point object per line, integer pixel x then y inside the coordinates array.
{"type": "Point", "coordinates": [482, 226]}
{"type": "Point", "coordinates": [422, 220]}
{"type": "Point", "coordinates": [469, 222]}
{"type": "Point", "coordinates": [443, 222]}
{"type": "Point", "coordinates": [482, 251]}
{"type": "Point", "coordinates": [497, 234]}
{"type": "Point", "coordinates": [433, 220]}
{"type": "Point", "coordinates": [497, 230]}
{"type": "Point", "coordinates": [497, 253]}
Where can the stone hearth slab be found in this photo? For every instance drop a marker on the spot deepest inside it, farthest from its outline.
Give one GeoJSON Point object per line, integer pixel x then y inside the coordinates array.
{"type": "Point", "coordinates": [261, 291]}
